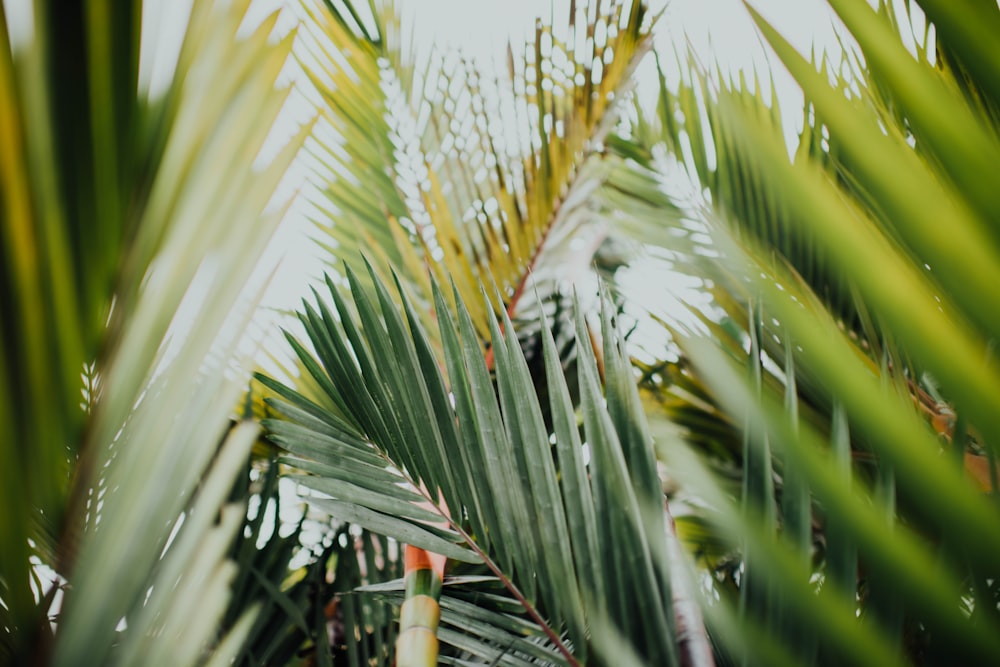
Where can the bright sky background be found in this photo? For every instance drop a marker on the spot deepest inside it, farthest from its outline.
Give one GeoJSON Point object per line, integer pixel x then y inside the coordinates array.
{"type": "Point", "coordinates": [716, 30]}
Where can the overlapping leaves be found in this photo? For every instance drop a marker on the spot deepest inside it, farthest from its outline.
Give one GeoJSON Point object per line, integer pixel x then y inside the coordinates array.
{"type": "Point", "coordinates": [432, 163]}
{"type": "Point", "coordinates": [125, 164]}
{"type": "Point", "coordinates": [854, 270]}
{"type": "Point", "coordinates": [574, 531]}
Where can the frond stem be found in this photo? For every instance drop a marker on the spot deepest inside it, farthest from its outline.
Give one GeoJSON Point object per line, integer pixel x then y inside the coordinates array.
{"type": "Point", "coordinates": [522, 284]}
{"type": "Point", "coordinates": [506, 581]}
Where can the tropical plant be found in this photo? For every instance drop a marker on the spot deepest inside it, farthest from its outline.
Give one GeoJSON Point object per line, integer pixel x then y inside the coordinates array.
{"type": "Point", "coordinates": [802, 471]}
{"type": "Point", "coordinates": [842, 376]}
{"type": "Point", "coordinates": [447, 198]}
{"type": "Point", "coordinates": [837, 271]}
{"type": "Point", "coordinates": [133, 216]}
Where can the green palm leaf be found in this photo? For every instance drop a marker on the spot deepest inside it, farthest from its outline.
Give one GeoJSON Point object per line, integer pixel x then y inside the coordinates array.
{"type": "Point", "coordinates": [119, 184]}
{"type": "Point", "coordinates": [548, 523]}
{"type": "Point", "coordinates": [852, 272]}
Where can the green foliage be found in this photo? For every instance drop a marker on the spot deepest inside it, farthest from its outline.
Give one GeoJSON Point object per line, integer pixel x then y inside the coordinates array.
{"type": "Point", "coordinates": [853, 278]}
{"type": "Point", "coordinates": [432, 165]}
{"type": "Point", "coordinates": [578, 533]}
{"type": "Point", "coordinates": [119, 189]}
{"type": "Point", "coordinates": [860, 262]}
{"type": "Point", "coordinates": [824, 431]}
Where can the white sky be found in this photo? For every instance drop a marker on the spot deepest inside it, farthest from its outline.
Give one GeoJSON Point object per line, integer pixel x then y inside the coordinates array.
{"type": "Point", "coordinates": [485, 24]}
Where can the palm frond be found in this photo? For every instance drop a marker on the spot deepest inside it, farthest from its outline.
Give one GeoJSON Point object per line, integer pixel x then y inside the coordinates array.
{"type": "Point", "coordinates": [845, 273]}
{"type": "Point", "coordinates": [482, 623]}
{"type": "Point", "coordinates": [438, 164]}
{"type": "Point", "coordinates": [544, 514]}
{"type": "Point", "coordinates": [119, 184]}
{"type": "Point", "coordinates": [291, 603]}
